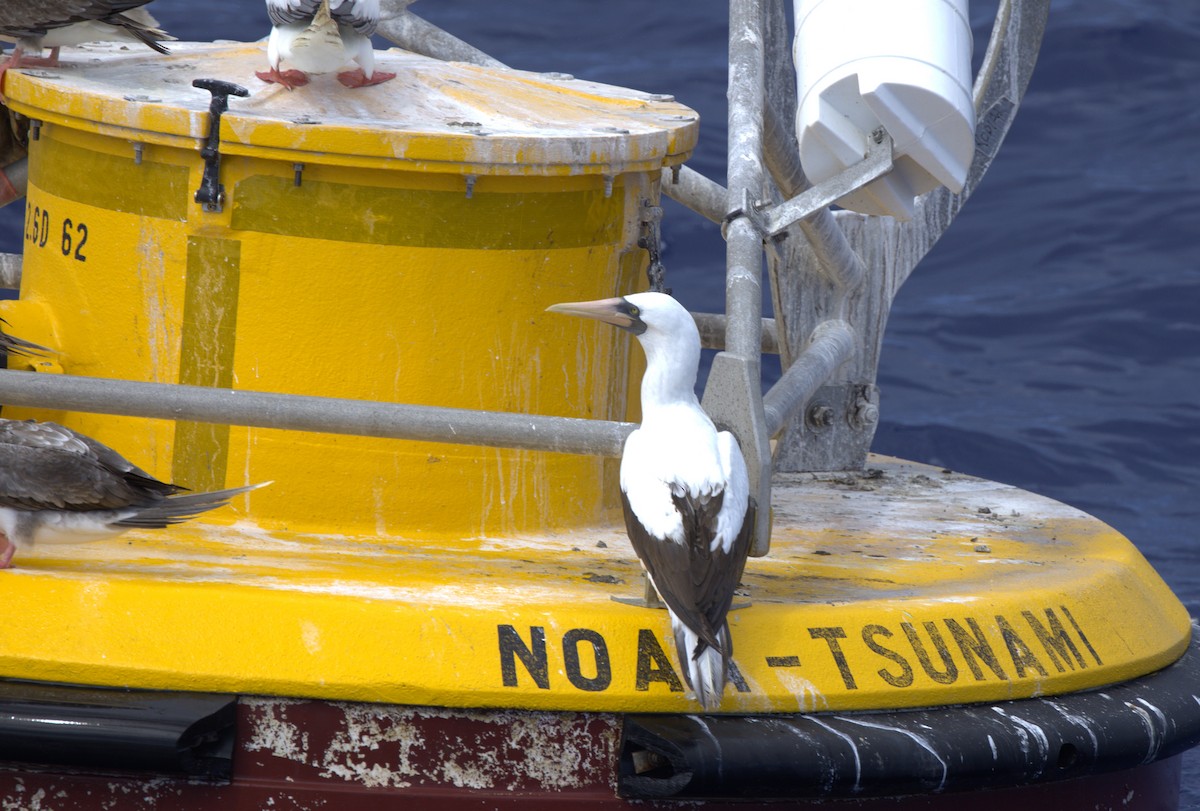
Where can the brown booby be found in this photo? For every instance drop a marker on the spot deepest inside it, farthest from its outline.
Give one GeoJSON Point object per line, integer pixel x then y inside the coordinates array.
{"type": "Point", "coordinates": [684, 486]}
{"type": "Point", "coordinates": [37, 24]}
{"type": "Point", "coordinates": [59, 486]}
{"type": "Point", "coordinates": [320, 36]}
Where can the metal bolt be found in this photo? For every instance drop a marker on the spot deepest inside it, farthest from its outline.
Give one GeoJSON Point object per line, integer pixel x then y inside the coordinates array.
{"type": "Point", "coordinates": [866, 414]}
{"type": "Point", "coordinates": [820, 417]}
{"type": "Point", "coordinates": [866, 410]}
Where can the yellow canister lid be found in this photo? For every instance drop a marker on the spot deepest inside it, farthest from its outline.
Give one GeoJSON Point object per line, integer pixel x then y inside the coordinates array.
{"type": "Point", "coordinates": [437, 116]}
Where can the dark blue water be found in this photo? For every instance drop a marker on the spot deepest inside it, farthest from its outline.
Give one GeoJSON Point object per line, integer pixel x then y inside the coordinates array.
{"type": "Point", "coordinates": [1052, 338]}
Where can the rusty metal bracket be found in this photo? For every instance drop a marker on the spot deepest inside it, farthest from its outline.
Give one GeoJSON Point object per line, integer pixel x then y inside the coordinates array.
{"type": "Point", "coordinates": [211, 194]}
{"type": "Point", "coordinates": [650, 238]}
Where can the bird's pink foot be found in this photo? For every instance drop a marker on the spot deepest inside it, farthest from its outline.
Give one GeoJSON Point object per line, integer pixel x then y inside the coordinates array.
{"type": "Point", "coordinates": [357, 78]}
{"type": "Point", "coordinates": [6, 553]}
{"type": "Point", "coordinates": [291, 79]}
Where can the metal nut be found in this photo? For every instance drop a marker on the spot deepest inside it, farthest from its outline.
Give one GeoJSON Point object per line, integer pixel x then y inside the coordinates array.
{"type": "Point", "coordinates": [819, 417]}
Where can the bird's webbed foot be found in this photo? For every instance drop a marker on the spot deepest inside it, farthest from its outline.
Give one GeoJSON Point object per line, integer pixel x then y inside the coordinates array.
{"type": "Point", "coordinates": [358, 78]}
{"type": "Point", "coordinates": [291, 79]}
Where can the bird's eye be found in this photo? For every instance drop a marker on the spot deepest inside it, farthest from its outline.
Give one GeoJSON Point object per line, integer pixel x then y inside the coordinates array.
{"type": "Point", "coordinates": [634, 311]}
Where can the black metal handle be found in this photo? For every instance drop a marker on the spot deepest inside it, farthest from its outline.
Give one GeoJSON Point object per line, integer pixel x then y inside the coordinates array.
{"type": "Point", "coordinates": [211, 193]}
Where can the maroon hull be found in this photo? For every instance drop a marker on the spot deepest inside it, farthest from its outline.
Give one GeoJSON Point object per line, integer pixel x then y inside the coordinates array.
{"type": "Point", "coordinates": [309, 755]}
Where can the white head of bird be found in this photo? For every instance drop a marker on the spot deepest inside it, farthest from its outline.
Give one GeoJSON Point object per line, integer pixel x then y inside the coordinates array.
{"type": "Point", "coordinates": [668, 335]}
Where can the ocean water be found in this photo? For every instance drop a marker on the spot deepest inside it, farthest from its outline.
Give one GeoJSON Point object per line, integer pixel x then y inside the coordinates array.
{"type": "Point", "coordinates": [1051, 340]}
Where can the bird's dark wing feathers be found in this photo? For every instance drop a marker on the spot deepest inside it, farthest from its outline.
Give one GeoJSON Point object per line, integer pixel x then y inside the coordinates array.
{"type": "Point", "coordinates": [12, 345]}
{"type": "Point", "coordinates": [285, 12]}
{"type": "Point", "coordinates": [350, 14]}
{"type": "Point", "coordinates": [47, 466]}
{"type": "Point", "coordinates": [696, 582]}
{"type": "Point", "coordinates": [34, 19]}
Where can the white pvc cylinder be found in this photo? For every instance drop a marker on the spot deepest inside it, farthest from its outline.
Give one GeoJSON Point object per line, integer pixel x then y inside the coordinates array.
{"type": "Point", "coordinates": [904, 65]}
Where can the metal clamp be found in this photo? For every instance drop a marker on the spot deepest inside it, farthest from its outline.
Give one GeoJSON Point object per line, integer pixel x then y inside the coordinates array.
{"type": "Point", "coordinates": [876, 163]}
{"type": "Point", "coordinates": [753, 211]}
{"type": "Point", "coordinates": [211, 194]}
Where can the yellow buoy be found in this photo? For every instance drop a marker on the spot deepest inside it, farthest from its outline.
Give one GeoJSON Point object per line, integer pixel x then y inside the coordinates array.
{"type": "Point", "coordinates": [400, 243]}
{"type": "Point", "coordinates": [396, 243]}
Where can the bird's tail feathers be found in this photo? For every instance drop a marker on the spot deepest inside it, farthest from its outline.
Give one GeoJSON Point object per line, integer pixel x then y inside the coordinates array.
{"type": "Point", "coordinates": [323, 17]}
{"type": "Point", "coordinates": [705, 668]}
{"type": "Point", "coordinates": [12, 345]}
{"type": "Point", "coordinates": [142, 25]}
{"type": "Point", "coordinates": [177, 509]}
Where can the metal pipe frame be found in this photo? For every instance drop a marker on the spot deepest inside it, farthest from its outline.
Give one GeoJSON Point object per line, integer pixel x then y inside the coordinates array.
{"type": "Point", "coordinates": [14, 181]}
{"type": "Point", "coordinates": [837, 259]}
{"type": "Point", "coordinates": [733, 394]}
{"type": "Point", "coordinates": [330, 415]}
{"type": "Point", "coordinates": [706, 197]}
{"type": "Point", "coordinates": [877, 162]}
{"type": "Point", "coordinates": [401, 26]}
{"type": "Point", "coordinates": [747, 100]}
{"type": "Point", "coordinates": [712, 332]}
{"type": "Point", "coordinates": [832, 344]}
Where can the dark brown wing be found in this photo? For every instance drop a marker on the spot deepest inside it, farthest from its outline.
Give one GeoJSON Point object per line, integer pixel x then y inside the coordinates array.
{"type": "Point", "coordinates": [361, 15]}
{"type": "Point", "coordinates": [33, 18]}
{"type": "Point", "coordinates": [693, 580]}
{"type": "Point", "coordinates": [285, 12]}
{"type": "Point", "coordinates": [47, 466]}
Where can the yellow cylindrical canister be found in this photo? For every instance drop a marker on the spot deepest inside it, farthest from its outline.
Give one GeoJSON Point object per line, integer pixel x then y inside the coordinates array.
{"type": "Point", "coordinates": [395, 243]}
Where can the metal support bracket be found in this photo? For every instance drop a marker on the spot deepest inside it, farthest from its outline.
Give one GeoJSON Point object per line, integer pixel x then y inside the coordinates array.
{"type": "Point", "coordinates": [729, 400]}
{"type": "Point", "coordinates": [650, 239]}
{"type": "Point", "coordinates": [839, 424]}
{"type": "Point", "coordinates": [211, 194]}
{"type": "Point", "coordinates": [878, 162]}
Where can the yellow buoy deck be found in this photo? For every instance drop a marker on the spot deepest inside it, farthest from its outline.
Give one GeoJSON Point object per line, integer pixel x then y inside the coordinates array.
{"type": "Point", "coordinates": [908, 586]}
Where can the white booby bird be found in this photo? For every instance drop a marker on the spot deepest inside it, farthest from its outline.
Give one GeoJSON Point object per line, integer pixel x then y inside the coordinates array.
{"type": "Point", "coordinates": [37, 24]}
{"type": "Point", "coordinates": [319, 36]}
{"type": "Point", "coordinates": [59, 486]}
{"type": "Point", "coordinates": [684, 487]}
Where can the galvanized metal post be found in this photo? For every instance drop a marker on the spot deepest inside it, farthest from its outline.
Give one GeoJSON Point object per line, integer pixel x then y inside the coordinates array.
{"type": "Point", "coordinates": [733, 396]}
{"type": "Point", "coordinates": [332, 415]}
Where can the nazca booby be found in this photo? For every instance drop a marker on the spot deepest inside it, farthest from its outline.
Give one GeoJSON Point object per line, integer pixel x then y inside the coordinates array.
{"type": "Point", "coordinates": [60, 486]}
{"type": "Point", "coordinates": [684, 487]}
{"type": "Point", "coordinates": [37, 24]}
{"type": "Point", "coordinates": [319, 36]}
